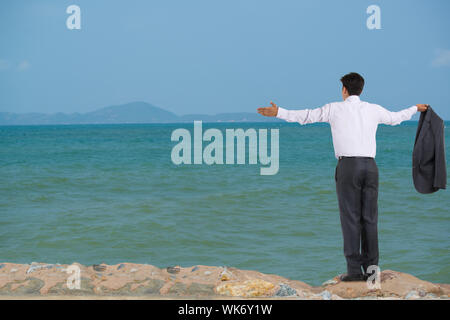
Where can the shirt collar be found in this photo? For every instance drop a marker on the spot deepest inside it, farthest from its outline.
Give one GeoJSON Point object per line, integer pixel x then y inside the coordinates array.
{"type": "Point", "coordinates": [353, 98]}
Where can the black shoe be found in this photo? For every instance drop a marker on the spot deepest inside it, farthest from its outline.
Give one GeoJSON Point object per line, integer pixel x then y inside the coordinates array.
{"type": "Point", "coordinates": [352, 277]}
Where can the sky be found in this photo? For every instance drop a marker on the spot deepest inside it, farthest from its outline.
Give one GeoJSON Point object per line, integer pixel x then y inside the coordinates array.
{"type": "Point", "coordinates": [215, 56]}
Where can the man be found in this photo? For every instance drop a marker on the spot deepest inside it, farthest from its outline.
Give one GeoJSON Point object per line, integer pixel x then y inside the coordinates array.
{"type": "Point", "coordinates": [353, 126]}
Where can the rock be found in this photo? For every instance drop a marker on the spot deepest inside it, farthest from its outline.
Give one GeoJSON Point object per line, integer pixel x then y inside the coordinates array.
{"type": "Point", "coordinates": [225, 275]}
{"type": "Point", "coordinates": [208, 281]}
{"type": "Point", "coordinates": [326, 295]}
{"type": "Point", "coordinates": [393, 284]}
{"type": "Point", "coordinates": [29, 286]}
{"type": "Point", "coordinates": [200, 289]}
{"type": "Point", "coordinates": [151, 286]}
{"type": "Point", "coordinates": [285, 291]}
{"type": "Point", "coordinates": [34, 267]}
{"type": "Point", "coordinates": [173, 270]}
{"type": "Point", "coordinates": [178, 288]}
{"type": "Point", "coordinates": [329, 282]}
{"type": "Point", "coordinates": [248, 288]}
{"type": "Point", "coordinates": [86, 288]}
{"type": "Point", "coordinates": [99, 267]}
{"type": "Point", "coordinates": [412, 295]}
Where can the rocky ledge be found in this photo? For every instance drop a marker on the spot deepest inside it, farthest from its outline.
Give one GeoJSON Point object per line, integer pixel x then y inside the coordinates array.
{"type": "Point", "coordinates": [197, 282]}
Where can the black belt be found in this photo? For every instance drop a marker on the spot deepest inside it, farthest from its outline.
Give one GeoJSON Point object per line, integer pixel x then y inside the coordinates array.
{"type": "Point", "coordinates": [342, 157]}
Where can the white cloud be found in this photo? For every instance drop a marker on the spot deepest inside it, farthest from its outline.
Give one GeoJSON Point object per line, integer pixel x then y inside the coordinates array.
{"type": "Point", "coordinates": [24, 65]}
{"type": "Point", "coordinates": [442, 58]}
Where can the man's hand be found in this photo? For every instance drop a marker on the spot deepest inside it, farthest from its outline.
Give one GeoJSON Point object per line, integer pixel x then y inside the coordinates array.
{"type": "Point", "coordinates": [422, 107]}
{"type": "Point", "coordinates": [269, 111]}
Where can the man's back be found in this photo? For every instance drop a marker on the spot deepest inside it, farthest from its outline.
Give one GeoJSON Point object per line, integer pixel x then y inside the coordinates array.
{"type": "Point", "coordinates": [353, 123]}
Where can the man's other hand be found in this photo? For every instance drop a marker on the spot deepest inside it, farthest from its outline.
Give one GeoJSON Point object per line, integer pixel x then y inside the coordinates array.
{"type": "Point", "coordinates": [269, 111]}
{"type": "Point", "coordinates": [422, 107]}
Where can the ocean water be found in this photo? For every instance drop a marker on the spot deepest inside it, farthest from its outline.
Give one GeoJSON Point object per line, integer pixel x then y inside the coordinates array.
{"type": "Point", "coordinates": [110, 193]}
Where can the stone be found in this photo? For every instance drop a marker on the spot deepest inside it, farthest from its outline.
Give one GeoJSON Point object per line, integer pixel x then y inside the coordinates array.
{"type": "Point", "coordinates": [225, 275]}
{"type": "Point", "coordinates": [29, 286]}
{"type": "Point", "coordinates": [200, 289]}
{"type": "Point", "coordinates": [248, 288]}
{"type": "Point", "coordinates": [173, 270]}
{"type": "Point", "coordinates": [329, 282]}
{"type": "Point", "coordinates": [178, 288]}
{"type": "Point", "coordinates": [86, 288]}
{"type": "Point", "coordinates": [285, 291]}
{"type": "Point", "coordinates": [207, 281]}
{"type": "Point", "coordinates": [151, 286]}
{"type": "Point", "coordinates": [392, 284]}
{"type": "Point", "coordinates": [412, 295]}
{"type": "Point", "coordinates": [326, 295]}
{"type": "Point", "coordinates": [34, 267]}
{"type": "Point", "coordinates": [99, 267]}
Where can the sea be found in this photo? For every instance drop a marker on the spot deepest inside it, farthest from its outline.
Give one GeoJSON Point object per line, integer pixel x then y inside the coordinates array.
{"type": "Point", "coordinates": [110, 193]}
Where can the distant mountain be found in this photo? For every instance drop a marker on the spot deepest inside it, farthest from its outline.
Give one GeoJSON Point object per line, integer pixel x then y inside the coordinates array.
{"type": "Point", "coordinates": [226, 117]}
{"type": "Point", "coordinates": [134, 112]}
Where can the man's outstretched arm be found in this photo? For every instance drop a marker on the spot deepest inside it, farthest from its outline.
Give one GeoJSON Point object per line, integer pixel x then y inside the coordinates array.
{"type": "Point", "coordinates": [301, 116]}
{"type": "Point", "coordinates": [394, 118]}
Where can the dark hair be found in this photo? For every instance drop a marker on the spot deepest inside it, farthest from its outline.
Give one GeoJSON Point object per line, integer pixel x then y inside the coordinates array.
{"type": "Point", "coordinates": [353, 82]}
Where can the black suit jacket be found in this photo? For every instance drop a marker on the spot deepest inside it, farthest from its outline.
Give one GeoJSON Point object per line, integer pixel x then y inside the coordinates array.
{"type": "Point", "coordinates": [429, 170]}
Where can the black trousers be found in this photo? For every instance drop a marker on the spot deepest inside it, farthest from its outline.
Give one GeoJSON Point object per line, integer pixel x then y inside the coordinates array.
{"type": "Point", "coordinates": [357, 191]}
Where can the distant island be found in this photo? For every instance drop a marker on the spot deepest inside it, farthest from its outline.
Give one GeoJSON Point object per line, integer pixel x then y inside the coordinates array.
{"type": "Point", "coordinates": [134, 112]}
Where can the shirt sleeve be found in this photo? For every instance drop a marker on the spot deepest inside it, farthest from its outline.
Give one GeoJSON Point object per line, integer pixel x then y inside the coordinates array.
{"type": "Point", "coordinates": [394, 118]}
{"type": "Point", "coordinates": [305, 116]}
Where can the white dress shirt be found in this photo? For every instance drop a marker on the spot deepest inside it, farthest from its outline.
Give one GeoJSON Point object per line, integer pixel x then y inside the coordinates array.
{"type": "Point", "coordinates": [353, 123]}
